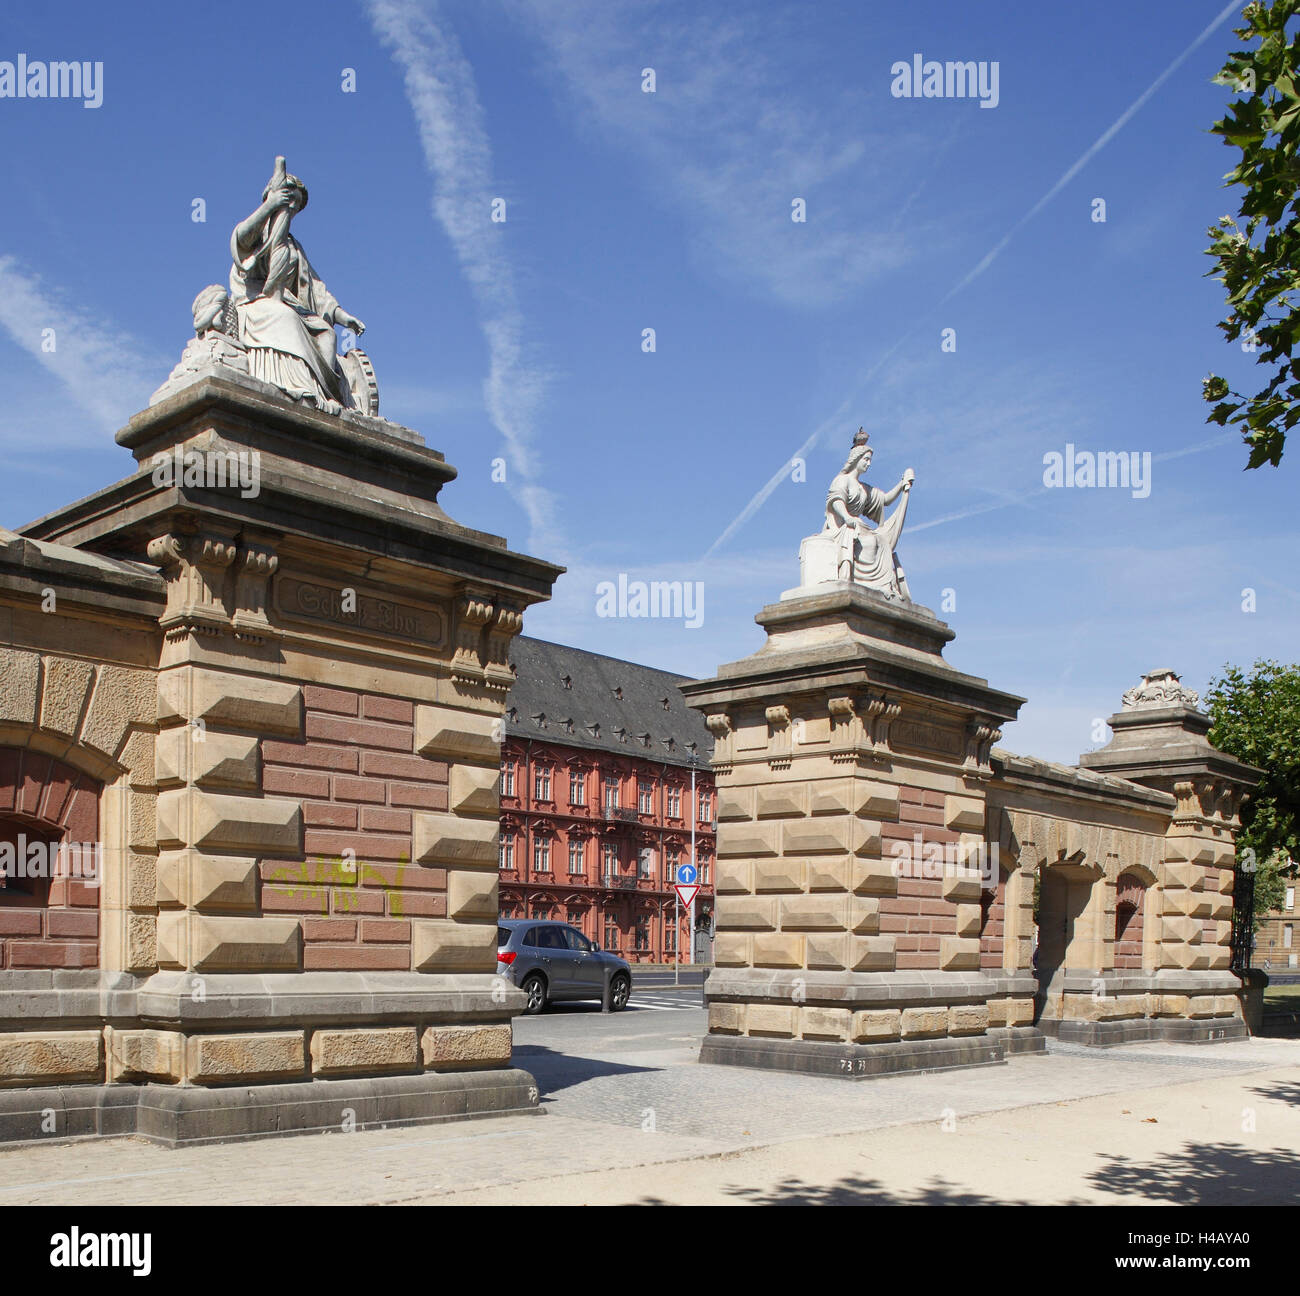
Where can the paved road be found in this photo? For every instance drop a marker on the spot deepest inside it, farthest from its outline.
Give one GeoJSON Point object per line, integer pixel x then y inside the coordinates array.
{"type": "Point", "coordinates": [623, 1094]}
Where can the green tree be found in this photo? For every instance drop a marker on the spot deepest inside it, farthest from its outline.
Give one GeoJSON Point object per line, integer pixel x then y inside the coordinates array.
{"type": "Point", "coordinates": [1258, 260]}
{"type": "Point", "coordinates": [1256, 718]}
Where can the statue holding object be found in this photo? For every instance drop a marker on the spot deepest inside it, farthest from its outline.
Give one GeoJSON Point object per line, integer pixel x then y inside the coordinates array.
{"type": "Point", "coordinates": [848, 549]}
{"type": "Point", "coordinates": [277, 321]}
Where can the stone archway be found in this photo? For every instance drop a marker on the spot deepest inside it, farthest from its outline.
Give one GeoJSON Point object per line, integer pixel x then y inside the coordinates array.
{"type": "Point", "coordinates": [50, 837]}
{"type": "Point", "coordinates": [1066, 931]}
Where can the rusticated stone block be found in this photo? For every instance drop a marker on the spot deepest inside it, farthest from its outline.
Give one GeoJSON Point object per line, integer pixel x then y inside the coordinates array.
{"type": "Point", "coordinates": [747, 913]}
{"type": "Point", "coordinates": [959, 954]}
{"type": "Point", "coordinates": [145, 1055]}
{"type": "Point", "coordinates": [876, 1026]}
{"type": "Point", "coordinates": [968, 1019]}
{"type": "Point", "coordinates": [814, 913]}
{"type": "Point", "coordinates": [471, 894]}
{"type": "Point", "coordinates": [922, 1023]}
{"type": "Point", "coordinates": [859, 796]}
{"type": "Point", "coordinates": [443, 945]}
{"type": "Point", "coordinates": [874, 877]}
{"type": "Point", "coordinates": [827, 874]}
{"type": "Point", "coordinates": [864, 915]}
{"type": "Point", "coordinates": [733, 949]}
{"type": "Point", "coordinates": [260, 825]}
{"type": "Point", "coordinates": [969, 919]}
{"type": "Point", "coordinates": [364, 1052]}
{"type": "Point", "coordinates": [963, 814]}
{"type": "Point", "coordinates": [748, 840]}
{"type": "Point", "coordinates": [840, 835]}
{"type": "Point", "coordinates": [244, 944]}
{"type": "Point", "coordinates": [193, 880]}
{"type": "Point", "coordinates": [778, 875]}
{"type": "Point", "coordinates": [961, 886]}
{"type": "Point", "coordinates": [735, 804]}
{"type": "Point", "coordinates": [466, 1048]}
{"type": "Point", "coordinates": [232, 1059]}
{"type": "Point", "coordinates": [770, 1019]}
{"type": "Point", "coordinates": [20, 685]}
{"type": "Point", "coordinates": [778, 950]}
{"type": "Point", "coordinates": [63, 694]}
{"type": "Point", "coordinates": [208, 758]}
{"type": "Point", "coordinates": [51, 1057]}
{"type": "Point", "coordinates": [456, 841]}
{"type": "Point", "coordinates": [726, 1019]}
{"type": "Point", "coordinates": [735, 877]}
{"type": "Point", "coordinates": [872, 953]}
{"type": "Point", "coordinates": [458, 735]}
{"type": "Point", "coordinates": [826, 951]}
{"type": "Point", "coordinates": [781, 800]}
{"type": "Point", "coordinates": [253, 702]}
{"type": "Point", "coordinates": [1020, 1012]}
{"type": "Point", "coordinates": [474, 789]}
{"type": "Point", "coordinates": [824, 1023]}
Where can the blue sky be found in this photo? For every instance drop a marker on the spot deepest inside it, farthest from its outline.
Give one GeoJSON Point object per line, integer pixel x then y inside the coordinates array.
{"type": "Point", "coordinates": [625, 211]}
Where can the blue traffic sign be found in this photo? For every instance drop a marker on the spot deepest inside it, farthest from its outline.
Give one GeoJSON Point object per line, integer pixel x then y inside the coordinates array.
{"type": "Point", "coordinates": [686, 874]}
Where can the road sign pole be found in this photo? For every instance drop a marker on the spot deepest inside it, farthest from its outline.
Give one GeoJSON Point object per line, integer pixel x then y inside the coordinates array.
{"type": "Point", "coordinates": [690, 912]}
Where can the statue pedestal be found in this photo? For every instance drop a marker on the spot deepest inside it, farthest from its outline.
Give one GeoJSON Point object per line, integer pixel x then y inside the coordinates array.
{"type": "Point", "coordinates": [852, 762]}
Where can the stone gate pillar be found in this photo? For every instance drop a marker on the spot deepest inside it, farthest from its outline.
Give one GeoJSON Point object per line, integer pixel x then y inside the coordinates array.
{"type": "Point", "coordinates": [331, 669]}
{"type": "Point", "coordinates": [853, 855]}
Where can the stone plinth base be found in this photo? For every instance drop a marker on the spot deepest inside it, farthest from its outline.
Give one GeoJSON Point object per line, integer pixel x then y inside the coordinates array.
{"type": "Point", "coordinates": [852, 1061]}
{"type": "Point", "coordinates": [176, 1116]}
{"type": "Point", "coordinates": [1180, 1030]}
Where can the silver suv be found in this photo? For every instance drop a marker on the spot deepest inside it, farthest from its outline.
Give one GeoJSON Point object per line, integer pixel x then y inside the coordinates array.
{"type": "Point", "coordinates": [551, 961]}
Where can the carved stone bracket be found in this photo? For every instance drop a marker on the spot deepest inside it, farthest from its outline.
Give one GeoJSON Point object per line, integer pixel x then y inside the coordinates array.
{"type": "Point", "coordinates": [256, 564]}
{"type": "Point", "coordinates": [778, 737]}
{"type": "Point", "coordinates": [194, 565]}
{"type": "Point", "coordinates": [473, 612]}
{"type": "Point", "coordinates": [719, 725]}
{"type": "Point", "coordinates": [846, 729]}
{"type": "Point", "coordinates": [981, 733]}
{"type": "Point", "coordinates": [505, 623]}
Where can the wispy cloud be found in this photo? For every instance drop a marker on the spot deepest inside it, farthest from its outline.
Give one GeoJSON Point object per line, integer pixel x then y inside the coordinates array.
{"type": "Point", "coordinates": [105, 371]}
{"type": "Point", "coordinates": [441, 90]}
{"type": "Point", "coordinates": [732, 134]}
{"type": "Point", "coordinates": [761, 496]}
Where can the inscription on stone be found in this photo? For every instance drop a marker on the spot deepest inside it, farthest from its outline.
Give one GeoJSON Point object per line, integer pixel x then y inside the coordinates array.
{"type": "Point", "coordinates": [918, 736]}
{"type": "Point", "coordinates": [304, 600]}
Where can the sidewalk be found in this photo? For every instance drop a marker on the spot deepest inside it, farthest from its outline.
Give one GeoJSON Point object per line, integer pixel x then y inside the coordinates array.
{"type": "Point", "coordinates": [1150, 1123]}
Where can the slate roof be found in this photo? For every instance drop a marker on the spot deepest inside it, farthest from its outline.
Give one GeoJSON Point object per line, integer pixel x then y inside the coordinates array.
{"type": "Point", "coordinates": [582, 699]}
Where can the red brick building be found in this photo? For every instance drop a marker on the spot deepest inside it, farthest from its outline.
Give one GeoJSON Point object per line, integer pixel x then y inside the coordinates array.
{"type": "Point", "coordinates": [597, 805]}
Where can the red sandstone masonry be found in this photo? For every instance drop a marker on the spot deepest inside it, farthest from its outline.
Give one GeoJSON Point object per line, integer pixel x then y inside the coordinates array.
{"type": "Point", "coordinates": [359, 779]}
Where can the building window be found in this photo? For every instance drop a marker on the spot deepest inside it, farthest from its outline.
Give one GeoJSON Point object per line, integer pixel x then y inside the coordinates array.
{"type": "Point", "coordinates": [1286, 936]}
{"type": "Point", "coordinates": [577, 789]}
{"type": "Point", "coordinates": [645, 864]}
{"type": "Point", "coordinates": [670, 935]}
{"type": "Point", "coordinates": [706, 807]}
{"type": "Point", "coordinates": [642, 934]}
{"type": "Point", "coordinates": [541, 854]}
{"type": "Point", "coordinates": [1290, 898]}
{"type": "Point", "coordinates": [672, 862]}
{"type": "Point", "coordinates": [645, 797]}
{"type": "Point", "coordinates": [575, 918]}
{"type": "Point", "coordinates": [703, 879]}
{"type": "Point", "coordinates": [507, 850]}
{"type": "Point", "coordinates": [507, 778]}
{"type": "Point", "coordinates": [611, 792]}
{"type": "Point", "coordinates": [611, 932]}
{"type": "Point", "coordinates": [609, 859]}
{"type": "Point", "coordinates": [542, 783]}
{"type": "Point", "coordinates": [674, 803]}
{"type": "Point", "coordinates": [577, 856]}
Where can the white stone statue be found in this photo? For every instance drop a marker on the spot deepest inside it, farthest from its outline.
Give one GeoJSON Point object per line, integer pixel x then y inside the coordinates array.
{"type": "Point", "coordinates": [848, 549]}
{"type": "Point", "coordinates": [277, 323]}
{"type": "Point", "coordinates": [1160, 688]}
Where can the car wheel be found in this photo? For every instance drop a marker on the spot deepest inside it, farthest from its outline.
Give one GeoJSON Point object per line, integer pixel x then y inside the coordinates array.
{"type": "Point", "coordinates": [535, 988]}
{"type": "Point", "coordinates": [620, 991]}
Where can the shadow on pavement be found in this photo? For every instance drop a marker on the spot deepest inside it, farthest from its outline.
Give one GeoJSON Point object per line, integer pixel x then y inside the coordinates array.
{"type": "Point", "coordinates": [1208, 1174]}
{"type": "Point", "coordinates": [859, 1192]}
{"type": "Point", "coordinates": [555, 1071]}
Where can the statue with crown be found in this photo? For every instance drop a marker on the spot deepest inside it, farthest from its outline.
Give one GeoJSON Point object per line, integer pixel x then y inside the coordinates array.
{"type": "Point", "coordinates": [274, 326]}
{"type": "Point", "coordinates": [857, 543]}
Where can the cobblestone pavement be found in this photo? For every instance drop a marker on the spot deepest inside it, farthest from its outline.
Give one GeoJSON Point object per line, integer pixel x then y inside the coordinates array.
{"type": "Point", "coordinates": [619, 1091]}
